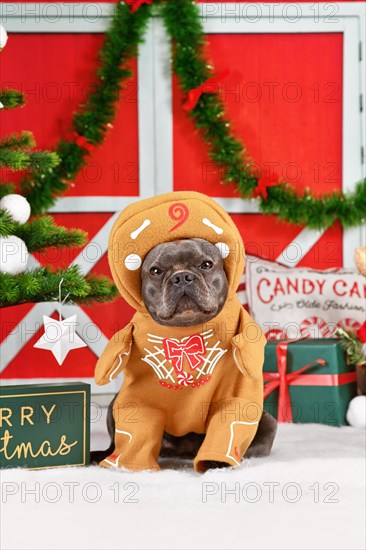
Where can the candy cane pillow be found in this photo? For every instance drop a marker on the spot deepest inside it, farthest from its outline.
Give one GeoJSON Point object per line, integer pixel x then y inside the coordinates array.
{"type": "Point", "coordinates": [295, 302]}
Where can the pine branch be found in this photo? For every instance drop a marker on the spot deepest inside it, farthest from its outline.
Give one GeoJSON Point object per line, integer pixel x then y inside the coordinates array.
{"type": "Point", "coordinates": [316, 212]}
{"type": "Point", "coordinates": [41, 233]}
{"type": "Point", "coordinates": [42, 285]}
{"type": "Point", "coordinates": [43, 161]}
{"type": "Point", "coordinates": [6, 188]}
{"type": "Point", "coordinates": [352, 346]}
{"type": "Point", "coordinates": [21, 140]}
{"type": "Point", "coordinates": [42, 192]}
{"type": "Point", "coordinates": [15, 159]}
{"type": "Point", "coordinates": [7, 224]}
{"type": "Point", "coordinates": [11, 98]}
{"type": "Point", "coordinates": [101, 290]}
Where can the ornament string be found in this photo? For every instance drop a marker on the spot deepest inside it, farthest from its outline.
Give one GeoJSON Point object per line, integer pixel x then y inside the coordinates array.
{"type": "Point", "coordinates": [60, 300]}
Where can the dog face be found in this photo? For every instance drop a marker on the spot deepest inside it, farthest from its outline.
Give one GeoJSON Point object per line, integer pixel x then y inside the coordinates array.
{"type": "Point", "coordinates": [183, 282]}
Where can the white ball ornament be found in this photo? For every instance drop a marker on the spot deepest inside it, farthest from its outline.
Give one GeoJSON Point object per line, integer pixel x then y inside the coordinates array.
{"type": "Point", "coordinates": [356, 414]}
{"type": "Point", "coordinates": [17, 206]}
{"type": "Point", "coordinates": [13, 255]}
{"type": "Point", "coordinates": [3, 37]}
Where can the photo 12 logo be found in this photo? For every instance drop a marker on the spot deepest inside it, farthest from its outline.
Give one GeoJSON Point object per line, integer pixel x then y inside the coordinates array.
{"type": "Point", "coordinates": [269, 491]}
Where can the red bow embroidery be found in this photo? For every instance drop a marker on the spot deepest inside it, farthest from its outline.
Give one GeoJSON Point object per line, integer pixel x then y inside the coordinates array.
{"type": "Point", "coordinates": [135, 4]}
{"type": "Point", "coordinates": [210, 86]}
{"type": "Point", "coordinates": [193, 349]}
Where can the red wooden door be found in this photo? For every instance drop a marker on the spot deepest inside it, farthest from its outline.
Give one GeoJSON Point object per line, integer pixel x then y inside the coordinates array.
{"type": "Point", "coordinates": [284, 96]}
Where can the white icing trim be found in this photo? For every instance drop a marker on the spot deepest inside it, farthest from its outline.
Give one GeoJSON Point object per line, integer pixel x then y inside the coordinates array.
{"type": "Point", "coordinates": [236, 361]}
{"type": "Point", "coordinates": [125, 433]}
{"type": "Point", "coordinates": [120, 361]}
{"type": "Point", "coordinates": [232, 437]}
{"type": "Point", "coordinates": [207, 222]}
{"type": "Point", "coordinates": [137, 232]}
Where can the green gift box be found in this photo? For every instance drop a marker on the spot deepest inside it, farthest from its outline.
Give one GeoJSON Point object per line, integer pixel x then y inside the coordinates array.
{"type": "Point", "coordinates": [308, 380]}
{"type": "Point", "coordinates": [44, 425]}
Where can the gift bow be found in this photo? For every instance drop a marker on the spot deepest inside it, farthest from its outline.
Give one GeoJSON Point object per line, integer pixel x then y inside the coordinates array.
{"type": "Point", "coordinates": [135, 4]}
{"type": "Point", "coordinates": [210, 86]}
{"type": "Point", "coordinates": [262, 188]}
{"type": "Point", "coordinates": [81, 141]}
{"type": "Point", "coordinates": [193, 350]}
{"type": "Point", "coordinates": [281, 380]}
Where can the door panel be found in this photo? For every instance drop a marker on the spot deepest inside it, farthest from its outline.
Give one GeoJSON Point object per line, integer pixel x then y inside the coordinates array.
{"type": "Point", "coordinates": [287, 109]}
{"type": "Point", "coordinates": [56, 79]}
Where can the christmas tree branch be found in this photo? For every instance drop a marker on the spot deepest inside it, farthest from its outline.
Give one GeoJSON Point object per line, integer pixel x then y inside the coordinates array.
{"type": "Point", "coordinates": [11, 98]}
{"type": "Point", "coordinates": [19, 140]}
{"type": "Point", "coordinates": [42, 285]}
{"type": "Point", "coordinates": [6, 188]}
{"type": "Point", "coordinates": [16, 158]}
{"type": "Point", "coordinates": [41, 233]}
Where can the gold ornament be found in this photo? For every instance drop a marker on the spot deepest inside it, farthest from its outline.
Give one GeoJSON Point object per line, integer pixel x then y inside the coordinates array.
{"type": "Point", "coordinates": [360, 259]}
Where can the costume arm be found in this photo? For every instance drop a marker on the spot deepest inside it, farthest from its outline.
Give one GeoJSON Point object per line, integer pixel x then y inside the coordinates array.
{"type": "Point", "coordinates": [115, 356]}
{"type": "Point", "coordinates": [248, 346]}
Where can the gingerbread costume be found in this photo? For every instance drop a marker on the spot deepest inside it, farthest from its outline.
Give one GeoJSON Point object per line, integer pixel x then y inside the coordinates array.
{"type": "Point", "coordinates": [205, 378]}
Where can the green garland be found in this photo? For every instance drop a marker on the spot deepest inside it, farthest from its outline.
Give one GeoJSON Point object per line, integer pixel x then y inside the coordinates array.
{"type": "Point", "coordinates": [182, 22]}
{"type": "Point", "coordinates": [353, 347]}
{"type": "Point", "coordinates": [95, 116]}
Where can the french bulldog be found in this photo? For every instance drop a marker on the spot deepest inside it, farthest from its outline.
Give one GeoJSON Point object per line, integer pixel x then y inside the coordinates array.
{"type": "Point", "coordinates": [183, 283]}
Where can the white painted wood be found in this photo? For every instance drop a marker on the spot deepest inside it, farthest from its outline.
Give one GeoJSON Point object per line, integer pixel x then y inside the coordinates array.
{"type": "Point", "coordinates": [353, 128]}
{"type": "Point", "coordinates": [91, 204]}
{"type": "Point", "coordinates": [299, 247]}
{"type": "Point", "coordinates": [146, 115]}
{"type": "Point", "coordinates": [163, 142]}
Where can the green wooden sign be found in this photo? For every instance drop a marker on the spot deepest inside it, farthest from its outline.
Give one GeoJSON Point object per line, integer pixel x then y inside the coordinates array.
{"type": "Point", "coordinates": [44, 425]}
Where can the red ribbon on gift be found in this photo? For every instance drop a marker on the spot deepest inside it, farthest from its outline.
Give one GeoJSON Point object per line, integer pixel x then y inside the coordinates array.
{"type": "Point", "coordinates": [135, 4]}
{"type": "Point", "coordinates": [282, 380]}
{"type": "Point", "coordinates": [193, 349]}
{"type": "Point", "coordinates": [81, 141]}
{"type": "Point", "coordinates": [210, 86]}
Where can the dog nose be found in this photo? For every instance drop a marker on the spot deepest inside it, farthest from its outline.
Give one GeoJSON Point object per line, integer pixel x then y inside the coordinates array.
{"type": "Point", "coordinates": [182, 278]}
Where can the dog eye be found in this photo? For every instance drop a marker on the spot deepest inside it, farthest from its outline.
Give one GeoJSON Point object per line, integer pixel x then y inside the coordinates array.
{"type": "Point", "coordinates": [156, 270]}
{"type": "Point", "coordinates": [207, 264]}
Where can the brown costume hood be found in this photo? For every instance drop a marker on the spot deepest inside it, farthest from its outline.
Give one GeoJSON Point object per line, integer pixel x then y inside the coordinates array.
{"type": "Point", "coordinates": [170, 217]}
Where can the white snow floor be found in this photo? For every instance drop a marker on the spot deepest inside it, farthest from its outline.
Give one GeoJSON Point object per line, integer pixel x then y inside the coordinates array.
{"type": "Point", "coordinates": [309, 494]}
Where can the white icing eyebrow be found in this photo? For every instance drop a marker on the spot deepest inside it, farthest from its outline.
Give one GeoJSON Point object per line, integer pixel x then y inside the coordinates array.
{"type": "Point", "coordinates": [143, 226]}
{"type": "Point", "coordinates": [214, 227]}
